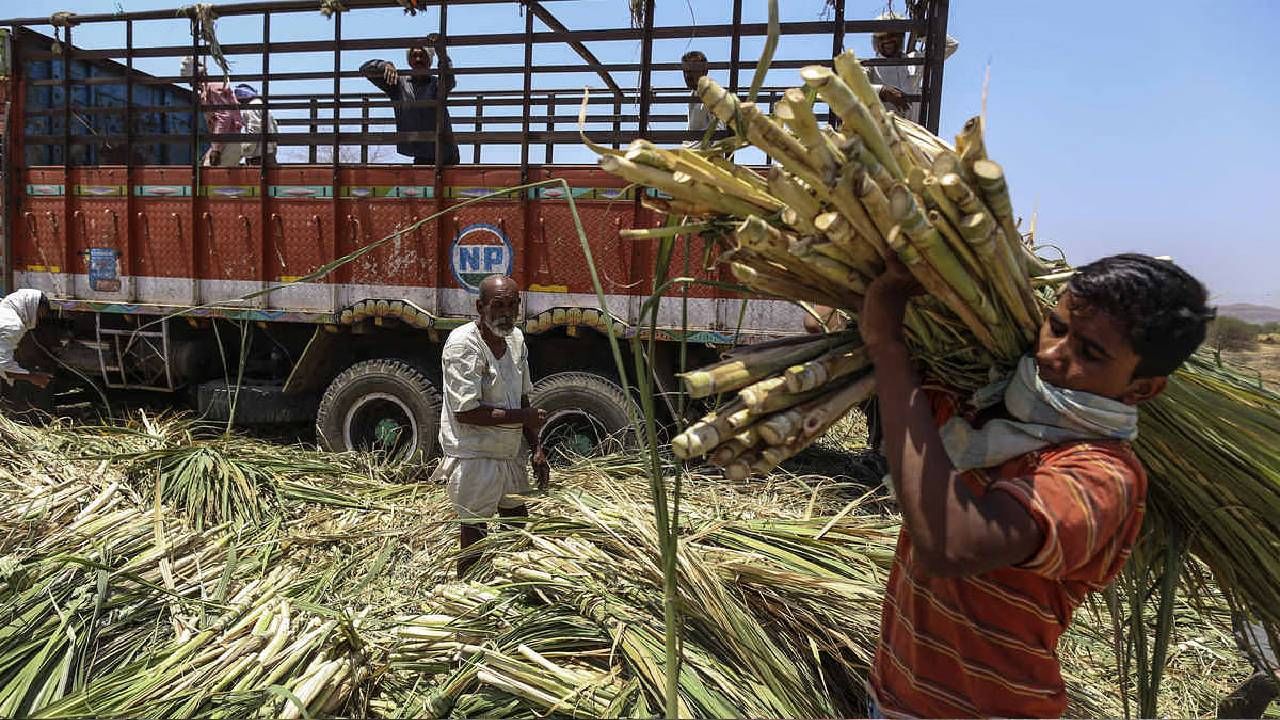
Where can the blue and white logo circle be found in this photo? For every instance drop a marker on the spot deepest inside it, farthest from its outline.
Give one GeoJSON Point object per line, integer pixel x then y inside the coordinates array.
{"type": "Point", "coordinates": [480, 250]}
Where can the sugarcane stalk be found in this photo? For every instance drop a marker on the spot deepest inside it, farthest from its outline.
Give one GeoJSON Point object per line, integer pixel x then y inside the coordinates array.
{"type": "Point", "coordinates": [742, 172]}
{"type": "Point", "coordinates": [664, 181]}
{"type": "Point", "coordinates": [795, 198]}
{"type": "Point", "coordinates": [795, 112]}
{"type": "Point", "coordinates": [817, 373]}
{"type": "Point", "coordinates": [833, 268]}
{"type": "Point", "coordinates": [858, 279]}
{"type": "Point", "coordinates": [844, 196]}
{"type": "Point", "coordinates": [853, 114]}
{"type": "Point", "coordinates": [932, 282]}
{"type": "Point", "coordinates": [779, 144]}
{"type": "Point", "coordinates": [769, 396]}
{"type": "Point", "coordinates": [933, 248]}
{"type": "Point", "coordinates": [900, 149]}
{"type": "Point", "coordinates": [768, 242]}
{"type": "Point", "coordinates": [979, 231]}
{"type": "Point", "coordinates": [955, 242]}
{"type": "Point", "coordinates": [722, 103]}
{"type": "Point", "coordinates": [970, 145]}
{"type": "Point", "coordinates": [819, 415]}
{"type": "Point", "coordinates": [694, 167]}
{"type": "Point", "coordinates": [857, 151]}
{"type": "Point", "coordinates": [990, 180]}
{"type": "Point", "coordinates": [946, 163]}
{"type": "Point", "coordinates": [926, 185]}
{"type": "Point", "coordinates": [852, 74]}
{"type": "Point", "coordinates": [706, 434]}
{"type": "Point", "coordinates": [729, 450]}
{"type": "Point", "coordinates": [781, 427]}
{"type": "Point", "coordinates": [876, 204]}
{"type": "Point", "coordinates": [784, 287]}
{"type": "Point", "coordinates": [861, 255]}
{"type": "Point", "coordinates": [745, 368]}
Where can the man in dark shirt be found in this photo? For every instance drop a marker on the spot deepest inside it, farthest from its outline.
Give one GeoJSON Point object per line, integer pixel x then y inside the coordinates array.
{"type": "Point", "coordinates": [410, 92]}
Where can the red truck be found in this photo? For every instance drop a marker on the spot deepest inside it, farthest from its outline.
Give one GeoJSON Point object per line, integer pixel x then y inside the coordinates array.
{"type": "Point", "coordinates": [149, 256]}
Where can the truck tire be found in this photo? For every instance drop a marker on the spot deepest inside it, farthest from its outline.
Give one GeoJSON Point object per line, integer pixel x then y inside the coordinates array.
{"type": "Point", "coordinates": [587, 414]}
{"type": "Point", "coordinates": [381, 405]}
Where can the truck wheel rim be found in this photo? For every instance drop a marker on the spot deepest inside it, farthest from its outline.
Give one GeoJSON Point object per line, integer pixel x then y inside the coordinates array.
{"type": "Point", "coordinates": [381, 422]}
{"type": "Point", "coordinates": [573, 433]}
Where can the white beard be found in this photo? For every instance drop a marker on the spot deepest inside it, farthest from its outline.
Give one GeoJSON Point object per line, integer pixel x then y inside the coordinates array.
{"type": "Point", "coordinates": [497, 330]}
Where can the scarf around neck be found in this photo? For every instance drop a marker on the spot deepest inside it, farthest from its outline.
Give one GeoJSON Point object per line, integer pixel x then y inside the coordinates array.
{"type": "Point", "coordinates": [1044, 415]}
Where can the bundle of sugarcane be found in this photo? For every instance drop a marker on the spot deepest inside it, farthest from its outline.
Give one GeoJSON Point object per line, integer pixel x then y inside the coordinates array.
{"type": "Point", "coordinates": [816, 228]}
{"type": "Point", "coordinates": [808, 384]}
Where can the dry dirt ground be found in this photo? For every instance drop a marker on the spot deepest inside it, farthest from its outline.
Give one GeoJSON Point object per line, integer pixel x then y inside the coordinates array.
{"type": "Point", "coordinates": [1263, 359]}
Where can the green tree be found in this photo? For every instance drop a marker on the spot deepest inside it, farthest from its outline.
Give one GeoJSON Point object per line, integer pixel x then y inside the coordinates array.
{"type": "Point", "coordinates": [1232, 334]}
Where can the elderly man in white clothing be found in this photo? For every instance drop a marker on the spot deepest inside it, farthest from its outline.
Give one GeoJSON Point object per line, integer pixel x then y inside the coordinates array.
{"type": "Point", "coordinates": [895, 82]}
{"type": "Point", "coordinates": [487, 426]}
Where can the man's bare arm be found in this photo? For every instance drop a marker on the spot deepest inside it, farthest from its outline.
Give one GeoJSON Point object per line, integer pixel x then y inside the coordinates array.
{"type": "Point", "coordinates": [953, 532]}
{"type": "Point", "coordinates": [491, 416]}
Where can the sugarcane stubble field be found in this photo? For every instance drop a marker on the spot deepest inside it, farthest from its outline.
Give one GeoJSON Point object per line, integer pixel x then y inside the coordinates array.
{"type": "Point", "coordinates": [157, 569]}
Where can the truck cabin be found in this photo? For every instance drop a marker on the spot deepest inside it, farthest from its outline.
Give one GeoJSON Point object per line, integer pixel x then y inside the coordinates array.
{"type": "Point", "coordinates": [342, 251]}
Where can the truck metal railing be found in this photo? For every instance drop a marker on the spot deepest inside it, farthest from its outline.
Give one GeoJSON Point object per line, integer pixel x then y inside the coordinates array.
{"type": "Point", "coordinates": [329, 116]}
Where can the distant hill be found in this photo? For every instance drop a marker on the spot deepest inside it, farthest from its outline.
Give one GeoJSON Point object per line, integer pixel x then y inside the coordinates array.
{"type": "Point", "coordinates": [1256, 314]}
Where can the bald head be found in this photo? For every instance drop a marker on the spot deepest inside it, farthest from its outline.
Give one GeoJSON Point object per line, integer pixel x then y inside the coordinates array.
{"type": "Point", "coordinates": [497, 285]}
{"type": "Point", "coordinates": [499, 304]}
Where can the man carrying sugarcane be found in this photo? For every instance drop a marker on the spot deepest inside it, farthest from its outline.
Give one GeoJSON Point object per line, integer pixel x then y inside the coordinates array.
{"type": "Point", "coordinates": [1018, 507]}
{"type": "Point", "coordinates": [895, 82]}
{"type": "Point", "coordinates": [487, 425]}
{"type": "Point", "coordinates": [416, 95]}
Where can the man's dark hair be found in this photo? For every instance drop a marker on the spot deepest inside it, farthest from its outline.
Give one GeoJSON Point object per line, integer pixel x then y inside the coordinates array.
{"type": "Point", "coordinates": [693, 55]}
{"type": "Point", "coordinates": [1161, 306]}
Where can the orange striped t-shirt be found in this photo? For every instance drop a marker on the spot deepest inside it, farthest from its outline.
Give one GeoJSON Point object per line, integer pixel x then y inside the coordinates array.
{"type": "Point", "coordinates": [986, 645]}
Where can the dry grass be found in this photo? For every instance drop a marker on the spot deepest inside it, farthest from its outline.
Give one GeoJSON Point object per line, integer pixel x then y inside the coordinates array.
{"type": "Point", "coordinates": [1262, 361]}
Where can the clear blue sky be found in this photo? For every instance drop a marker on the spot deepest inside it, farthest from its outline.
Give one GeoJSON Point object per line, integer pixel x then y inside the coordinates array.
{"type": "Point", "coordinates": [1143, 126]}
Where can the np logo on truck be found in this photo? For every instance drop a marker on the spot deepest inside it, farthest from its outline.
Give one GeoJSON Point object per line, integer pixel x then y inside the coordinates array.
{"type": "Point", "coordinates": [480, 250]}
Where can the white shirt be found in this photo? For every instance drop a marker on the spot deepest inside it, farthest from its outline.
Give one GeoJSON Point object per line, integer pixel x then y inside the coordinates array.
{"type": "Point", "coordinates": [18, 314]}
{"type": "Point", "coordinates": [907, 78]}
{"type": "Point", "coordinates": [474, 377]}
{"type": "Point", "coordinates": [252, 116]}
{"type": "Point", "coordinates": [700, 118]}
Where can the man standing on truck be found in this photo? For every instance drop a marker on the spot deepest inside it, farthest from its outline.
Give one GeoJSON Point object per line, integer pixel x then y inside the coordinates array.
{"type": "Point", "coordinates": [487, 425]}
{"type": "Point", "coordinates": [895, 82]}
{"type": "Point", "coordinates": [257, 120]}
{"type": "Point", "coordinates": [409, 92]}
{"type": "Point", "coordinates": [219, 120]}
{"type": "Point", "coordinates": [694, 66]}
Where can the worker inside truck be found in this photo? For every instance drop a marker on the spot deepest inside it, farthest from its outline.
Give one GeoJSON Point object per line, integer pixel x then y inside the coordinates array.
{"type": "Point", "coordinates": [222, 113]}
{"type": "Point", "coordinates": [257, 120]}
{"type": "Point", "coordinates": [414, 95]}
{"type": "Point", "coordinates": [895, 82]}
{"type": "Point", "coordinates": [694, 67]}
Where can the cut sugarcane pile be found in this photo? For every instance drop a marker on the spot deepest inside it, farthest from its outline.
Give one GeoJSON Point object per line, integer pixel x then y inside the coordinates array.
{"type": "Point", "coordinates": [816, 227]}
{"type": "Point", "coordinates": [341, 603]}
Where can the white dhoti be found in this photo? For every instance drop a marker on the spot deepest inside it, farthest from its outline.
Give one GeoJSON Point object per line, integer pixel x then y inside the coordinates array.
{"type": "Point", "coordinates": [479, 486]}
